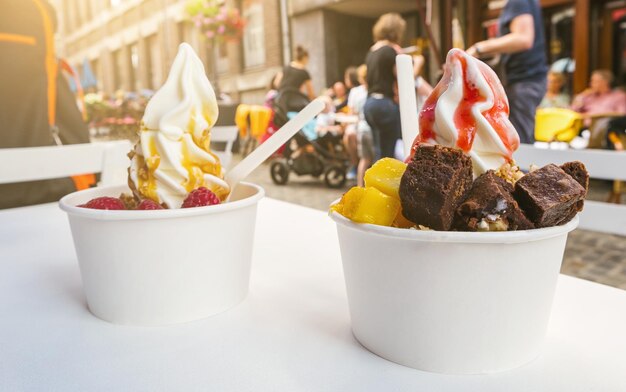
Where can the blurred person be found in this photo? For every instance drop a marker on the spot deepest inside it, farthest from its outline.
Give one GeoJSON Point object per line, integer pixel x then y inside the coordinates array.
{"type": "Point", "coordinates": [350, 78]}
{"type": "Point", "coordinates": [600, 99]}
{"type": "Point", "coordinates": [422, 87]}
{"type": "Point", "coordinates": [522, 47]}
{"type": "Point", "coordinates": [37, 107]}
{"type": "Point", "coordinates": [325, 121]}
{"type": "Point", "coordinates": [355, 91]}
{"type": "Point", "coordinates": [365, 141]}
{"type": "Point", "coordinates": [295, 81]}
{"type": "Point", "coordinates": [272, 91]}
{"type": "Point", "coordinates": [381, 109]}
{"type": "Point", "coordinates": [554, 97]}
{"type": "Point", "coordinates": [340, 97]}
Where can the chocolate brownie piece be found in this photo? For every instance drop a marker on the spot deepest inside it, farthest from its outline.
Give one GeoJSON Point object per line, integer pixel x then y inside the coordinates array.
{"type": "Point", "coordinates": [549, 196]}
{"type": "Point", "coordinates": [434, 184]}
{"type": "Point", "coordinates": [490, 206]}
{"type": "Point", "coordinates": [578, 171]}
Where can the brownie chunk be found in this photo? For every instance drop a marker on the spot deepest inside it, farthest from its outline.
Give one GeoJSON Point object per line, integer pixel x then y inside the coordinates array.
{"type": "Point", "coordinates": [578, 171]}
{"type": "Point", "coordinates": [549, 196]}
{"type": "Point", "coordinates": [434, 184]}
{"type": "Point", "coordinates": [490, 206]}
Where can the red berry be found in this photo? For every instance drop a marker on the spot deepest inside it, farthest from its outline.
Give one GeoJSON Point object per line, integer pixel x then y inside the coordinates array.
{"type": "Point", "coordinates": [147, 204]}
{"type": "Point", "coordinates": [104, 203]}
{"type": "Point", "coordinates": [200, 197]}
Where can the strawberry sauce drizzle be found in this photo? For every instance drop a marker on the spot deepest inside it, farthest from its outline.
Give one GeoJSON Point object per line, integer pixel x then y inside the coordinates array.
{"type": "Point", "coordinates": [464, 121]}
{"type": "Point", "coordinates": [497, 115]}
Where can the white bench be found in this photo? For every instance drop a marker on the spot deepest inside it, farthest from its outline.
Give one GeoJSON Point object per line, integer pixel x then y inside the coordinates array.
{"type": "Point", "coordinates": [601, 164]}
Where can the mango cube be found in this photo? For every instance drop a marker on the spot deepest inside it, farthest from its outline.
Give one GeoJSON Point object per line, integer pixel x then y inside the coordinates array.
{"type": "Point", "coordinates": [376, 208]}
{"type": "Point", "coordinates": [385, 175]}
{"type": "Point", "coordinates": [351, 200]}
{"type": "Point", "coordinates": [402, 222]}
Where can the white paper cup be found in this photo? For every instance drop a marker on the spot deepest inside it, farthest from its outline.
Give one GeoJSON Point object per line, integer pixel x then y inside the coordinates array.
{"type": "Point", "coordinates": [163, 266]}
{"type": "Point", "coordinates": [451, 302]}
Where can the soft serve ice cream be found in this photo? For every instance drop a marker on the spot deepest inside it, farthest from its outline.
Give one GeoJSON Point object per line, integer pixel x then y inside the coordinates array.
{"type": "Point", "coordinates": [469, 110]}
{"type": "Point", "coordinates": [173, 155]}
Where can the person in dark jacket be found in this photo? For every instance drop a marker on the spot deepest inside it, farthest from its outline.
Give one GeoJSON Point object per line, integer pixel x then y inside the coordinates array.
{"type": "Point", "coordinates": [35, 99]}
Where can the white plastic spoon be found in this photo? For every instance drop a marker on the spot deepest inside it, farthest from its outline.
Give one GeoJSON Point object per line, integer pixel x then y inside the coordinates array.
{"type": "Point", "coordinates": [408, 104]}
{"type": "Point", "coordinates": [265, 150]}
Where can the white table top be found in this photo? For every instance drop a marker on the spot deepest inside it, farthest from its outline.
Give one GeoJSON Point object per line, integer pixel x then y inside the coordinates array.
{"type": "Point", "coordinates": [292, 333]}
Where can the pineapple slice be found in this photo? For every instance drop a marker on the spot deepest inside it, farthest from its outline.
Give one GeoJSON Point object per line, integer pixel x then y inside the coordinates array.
{"type": "Point", "coordinates": [385, 175]}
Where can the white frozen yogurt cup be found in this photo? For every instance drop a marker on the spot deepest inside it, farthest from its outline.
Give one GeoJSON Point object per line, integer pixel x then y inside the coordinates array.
{"type": "Point", "coordinates": [163, 266]}
{"type": "Point", "coordinates": [451, 302]}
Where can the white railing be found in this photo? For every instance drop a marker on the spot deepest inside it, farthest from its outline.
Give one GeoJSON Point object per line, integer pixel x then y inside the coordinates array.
{"type": "Point", "coordinates": [40, 163]}
{"type": "Point", "coordinates": [601, 164]}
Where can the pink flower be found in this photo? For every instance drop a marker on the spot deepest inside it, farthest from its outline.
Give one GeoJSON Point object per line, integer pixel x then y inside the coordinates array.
{"type": "Point", "coordinates": [220, 17]}
{"type": "Point", "coordinates": [221, 29]}
{"type": "Point", "coordinates": [210, 34]}
{"type": "Point", "coordinates": [208, 20]}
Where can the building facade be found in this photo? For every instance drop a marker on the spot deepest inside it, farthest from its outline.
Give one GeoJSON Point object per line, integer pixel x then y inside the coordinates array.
{"type": "Point", "coordinates": [130, 44]}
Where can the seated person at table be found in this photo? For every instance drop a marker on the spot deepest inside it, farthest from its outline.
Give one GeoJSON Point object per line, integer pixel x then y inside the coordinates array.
{"type": "Point", "coordinates": [599, 99]}
{"type": "Point", "coordinates": [598, 104]}
{"type": "Point", "coordinates": [554, 97]}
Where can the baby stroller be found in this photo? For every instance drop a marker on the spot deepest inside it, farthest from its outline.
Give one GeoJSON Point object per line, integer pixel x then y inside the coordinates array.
{"type": "Point", "coordinates": [303, 156]}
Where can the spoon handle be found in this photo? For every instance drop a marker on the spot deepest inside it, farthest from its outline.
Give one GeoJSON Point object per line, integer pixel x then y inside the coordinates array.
{"type": "Point", "coordinates": [265, 150]}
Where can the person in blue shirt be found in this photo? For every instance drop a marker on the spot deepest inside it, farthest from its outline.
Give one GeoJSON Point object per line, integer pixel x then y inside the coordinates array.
{"type": "Point", "coordinates": [522, 47]}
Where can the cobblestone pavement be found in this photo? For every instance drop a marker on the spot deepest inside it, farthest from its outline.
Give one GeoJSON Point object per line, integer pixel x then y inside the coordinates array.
{"type": "Point", "coordinates": [589, 255]}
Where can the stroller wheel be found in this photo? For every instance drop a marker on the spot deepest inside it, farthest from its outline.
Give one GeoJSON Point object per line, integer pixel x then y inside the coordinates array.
{"type": "Point", "coordinates": [335, 177]}
{"type": "Point", "coordinates": [279, 172]}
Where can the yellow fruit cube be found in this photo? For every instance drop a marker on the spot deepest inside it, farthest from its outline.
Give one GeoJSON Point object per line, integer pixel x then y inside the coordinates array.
{"type": "Point", "coordinates": [376, 207]}
{"type": "Point", "coordinates": [385, 175]}
{"type": "Point", "coordinates": [351, 200]}
{"type": "Point", "coordinates": [401, 221]}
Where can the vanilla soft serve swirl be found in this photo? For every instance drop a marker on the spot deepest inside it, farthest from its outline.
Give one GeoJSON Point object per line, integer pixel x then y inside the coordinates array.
{"type": "Point", "coordinates": [469, 109]}
{"type": "Point", "coordinates": [173, 154]}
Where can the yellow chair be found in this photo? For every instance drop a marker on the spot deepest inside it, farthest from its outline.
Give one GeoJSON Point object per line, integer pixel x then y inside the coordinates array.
{"type": "Point", "coordinates": [260, 117]}
{"type": "Point", "coordinates": [242, 117]}
{"type": "Point", "coordinates": [556, 124]}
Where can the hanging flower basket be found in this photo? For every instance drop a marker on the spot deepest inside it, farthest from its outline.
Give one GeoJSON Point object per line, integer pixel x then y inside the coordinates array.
{"type": "Point", "coordinates": [218, 23]}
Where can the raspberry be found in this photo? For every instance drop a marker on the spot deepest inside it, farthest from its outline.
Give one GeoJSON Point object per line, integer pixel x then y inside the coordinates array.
{"type": "Point", "coordinates": [104, 203]}
{"type": "Point", "coordinates": [200, 197]}
{"type": "Point", "coordinates": [147, 204]}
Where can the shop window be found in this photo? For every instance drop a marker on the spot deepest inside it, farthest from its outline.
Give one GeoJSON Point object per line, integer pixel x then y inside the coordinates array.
{"type": "Point", "coordinates": [253, 36]}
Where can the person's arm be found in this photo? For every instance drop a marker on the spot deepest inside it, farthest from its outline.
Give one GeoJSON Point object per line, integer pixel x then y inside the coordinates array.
{"type": "Point", "coordinates": [578, 104]}
{"type": "Point", "coordinates": [521, 38]}
{"type": "Point", "coordinates": [308, 89]}
{"type": "Point", "coordinates": [278, 80]}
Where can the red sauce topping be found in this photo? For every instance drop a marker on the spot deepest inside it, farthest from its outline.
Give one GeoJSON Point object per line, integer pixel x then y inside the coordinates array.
{"type": "Point", "coordinates": [496, 116]}
{"type": "Point", "coordinates": [464, 121]}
